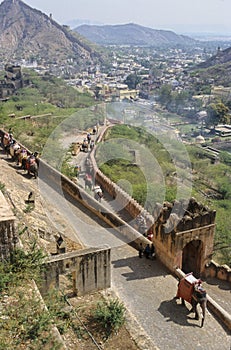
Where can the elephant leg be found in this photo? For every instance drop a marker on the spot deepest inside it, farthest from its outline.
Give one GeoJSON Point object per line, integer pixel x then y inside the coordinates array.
{"type": "Point", "coordinates": [182, 302]}
{"type": "Point", "coordinates": [35, 171]}
{"type": "Point", "coordinates": [194, 309]}
{"type": "Point", "coordinates": [203, 308]}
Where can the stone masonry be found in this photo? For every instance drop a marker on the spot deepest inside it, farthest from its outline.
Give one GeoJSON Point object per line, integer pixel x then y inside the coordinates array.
{"type": "Point", "coordinates": [8, 238]}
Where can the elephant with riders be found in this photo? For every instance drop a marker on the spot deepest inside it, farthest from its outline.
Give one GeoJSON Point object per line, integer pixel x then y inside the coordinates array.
{"type": "Point", "coordinates": [190, 289]}
{"type": "Point", "coordinates": [23, 158]}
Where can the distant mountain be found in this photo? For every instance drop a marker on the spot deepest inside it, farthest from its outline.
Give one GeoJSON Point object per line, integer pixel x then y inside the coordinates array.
{"type": "Point", "coordinates": [27, 32]}
{"type": "Point", "coordinates": [131, 34]}
{"type": "Point", "coordinates": [78, 22]}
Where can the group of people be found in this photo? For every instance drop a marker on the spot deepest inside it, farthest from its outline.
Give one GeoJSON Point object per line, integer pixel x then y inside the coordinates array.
{"type": "Point", "coordinates": [26, 160]}
{"type": "Point", "coordinates": [88, 143]}
{"type": "Point", "coordinates": [148, 252]}
{"type": "Point", "coordinates": [98, 192]}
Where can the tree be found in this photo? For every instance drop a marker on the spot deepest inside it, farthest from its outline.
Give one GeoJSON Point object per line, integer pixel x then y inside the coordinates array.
{"type": "Point", "coordinates": [165, 94]}
{"type": "Point", "coordinates": [132, 81]}
{"type": "Point", "coordinates": [217, 113]}
{"type": "Point", "coordinates": [97, 91]}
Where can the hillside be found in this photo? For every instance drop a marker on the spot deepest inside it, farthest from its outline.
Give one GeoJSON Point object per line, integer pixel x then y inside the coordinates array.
{"type": "Point", "coordinates": [131, 34]}
{"type": "Point", "coordinates": [217, 68]}
{"type": "Point", "coordinates": [28, 33]}
{"type": "Point", "coordinates": [221, 57]}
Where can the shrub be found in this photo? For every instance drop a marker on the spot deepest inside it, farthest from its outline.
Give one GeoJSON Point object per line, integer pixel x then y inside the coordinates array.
{"type": "Point", "coordinates": [110, 314]}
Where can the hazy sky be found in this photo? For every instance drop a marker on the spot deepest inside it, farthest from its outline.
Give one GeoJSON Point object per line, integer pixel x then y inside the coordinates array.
{"type": "Point", "coordinates": [178, 15]}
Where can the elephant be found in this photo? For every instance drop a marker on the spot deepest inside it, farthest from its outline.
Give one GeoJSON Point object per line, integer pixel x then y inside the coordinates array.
{"type": "Point", "coordinates": [32, 166]}
{"type": "Point", "coordinates": [191, 290]}
{"type": "Point", "coordinates": [14, 147]}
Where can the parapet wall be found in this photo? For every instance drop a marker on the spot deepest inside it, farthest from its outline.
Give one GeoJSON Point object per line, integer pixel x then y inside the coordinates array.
{"type": "Point", "coordinates": [125, 201]}
{"type": "Point", "coordinates": [214, 270]}
{"type": "Point", "coordinates": [8, 237]}
{"type": "Point", "coordinates": [90, 269]}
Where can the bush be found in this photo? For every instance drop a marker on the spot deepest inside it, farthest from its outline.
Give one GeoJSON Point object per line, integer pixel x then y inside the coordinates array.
{"type": "Point", "coordinates": [110, 314]}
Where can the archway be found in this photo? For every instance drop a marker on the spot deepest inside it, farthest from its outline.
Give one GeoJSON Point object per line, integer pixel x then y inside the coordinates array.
{"type": "Point", "coordinates": [191, 257]}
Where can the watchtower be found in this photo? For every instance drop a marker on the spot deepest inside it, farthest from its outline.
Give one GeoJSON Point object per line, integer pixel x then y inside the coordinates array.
{"type": "Point", "coordinates": [183, 234]}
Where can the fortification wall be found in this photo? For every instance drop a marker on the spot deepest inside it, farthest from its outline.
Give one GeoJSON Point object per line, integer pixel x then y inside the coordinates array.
{"type": "Point", "coordinates": [125, 201]}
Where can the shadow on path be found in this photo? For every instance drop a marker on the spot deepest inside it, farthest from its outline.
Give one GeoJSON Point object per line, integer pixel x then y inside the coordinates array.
{"type": "Point", "coordinates": [177, 313]}
{"type": "Point", "coordinates": [224, 285]}
{"type": "Point", "coordinates": [140, 268]}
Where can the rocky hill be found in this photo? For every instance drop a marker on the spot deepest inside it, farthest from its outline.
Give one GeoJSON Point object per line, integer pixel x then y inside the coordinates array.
{"type": "Point", "coordinates": [28, 33]}
{"type": "Point", "coordinates": [217, 68]}
{"type": "Point", "coordinates": [221, 57]}
{"type": "Point", "coordinates": [131, 34]}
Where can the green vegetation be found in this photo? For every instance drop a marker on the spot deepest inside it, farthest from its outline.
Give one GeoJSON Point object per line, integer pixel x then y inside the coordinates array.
{"type": "Point", "coordinates": [27, 323]}
{"type": "Point", "coordinates": [48, 101]}
{"type": "Point", "coordinates": [22, 315]}
{"type": "Point", "coordinates": [183, 103]}
{"type": "Point", "coordinates": [150, 184]}
{"type": "Point", "coordinates": [222, 246]}
{"type": "Point", "coordinates": [217, 113]}
{"type": "Point", "coordinates": [110, 314]}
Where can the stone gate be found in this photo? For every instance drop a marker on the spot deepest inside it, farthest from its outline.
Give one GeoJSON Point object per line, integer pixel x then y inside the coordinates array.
{"type": "Point", "coordinates": [183, 234]}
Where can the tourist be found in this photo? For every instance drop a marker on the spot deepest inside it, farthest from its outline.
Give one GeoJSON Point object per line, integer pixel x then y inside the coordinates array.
{"type": "Point", "coordinates": [147, 251]}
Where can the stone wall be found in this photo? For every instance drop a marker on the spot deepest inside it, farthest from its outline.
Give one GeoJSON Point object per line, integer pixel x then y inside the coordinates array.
{"type": "Point", "coordinates": [125, 201]}
{"type": "Point", "coordinates": [54, 178]}
{"type": "Point", "coordinates": [90, 269]}
{"type": "Point", "coordinates": [214, 270]}
{"type": "Point", "coordinates": [8, 237]}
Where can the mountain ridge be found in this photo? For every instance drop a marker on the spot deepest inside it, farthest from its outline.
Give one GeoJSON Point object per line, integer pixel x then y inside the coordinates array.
{"type": "Point", "coordinates": [25, 31]}
{"type": "Point", "coordinates": [131, 33]}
